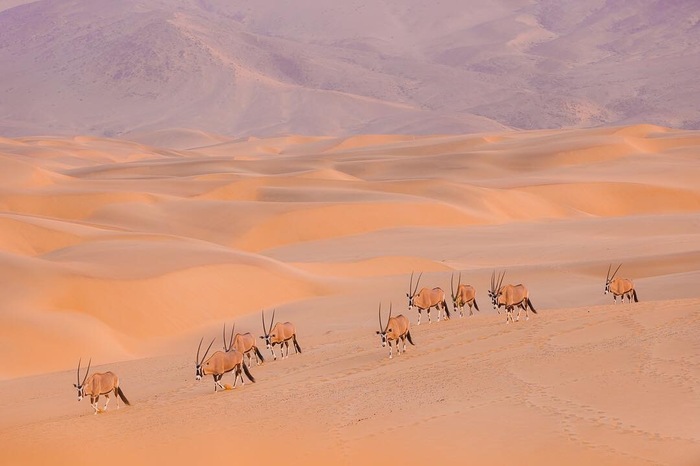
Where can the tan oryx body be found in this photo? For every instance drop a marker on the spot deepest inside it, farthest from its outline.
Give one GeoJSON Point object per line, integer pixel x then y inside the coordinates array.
{"type": "Point", "coordinates": [620, 287]}
{"type": "Point", "coordinates": [510, 296]}
{"type": "Point", "coordinates": [221, 362]}
{"type": "Point", "coordinates": [465, 296]}
{"type": "Point", "coordinates": [245, 343]}
{"type": "Point", "coordinates": [280, 334]}
{"type": "Point", "coordinates": [397, 329]}
{"type": "Point", "coordinates": [426, 299]}
{"type": "Point", "coordinates": [99, 384]}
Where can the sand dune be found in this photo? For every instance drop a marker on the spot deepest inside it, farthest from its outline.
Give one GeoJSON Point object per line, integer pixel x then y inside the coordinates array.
{"type": "Point", "coordinates": [129, 254]}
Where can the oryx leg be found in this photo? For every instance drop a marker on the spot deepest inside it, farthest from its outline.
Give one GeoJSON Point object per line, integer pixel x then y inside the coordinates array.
{"type": "Point", "coordinates": [471, 303]}
{"type": "Point", "coordinates": [404, 343]}
{"type": "Point", "coordinates": [391, 355]}
{"type": "Point", "coordinates": [272, 350]}
{"type": "Point", "coordinates": [420, 313]}
{"type": "Point", "coordinates": [217, 382]}
{"type": "Point", "coordinates": [93, 402]}
{"type": "Point", "coordinates": [239, 373]}
{"type": "Point", "coordinates": [106, 402]}
{"type": "Point", "coordinates": [116, 395]}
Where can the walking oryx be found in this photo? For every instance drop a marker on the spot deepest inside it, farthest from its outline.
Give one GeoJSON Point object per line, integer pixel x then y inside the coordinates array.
{"type": "Point", "coordinates": [99, 384]}
{"type": "Point", "coordinates": [280, 334]}
{"type": "Point", "coordinates": [220, 363]}
{"type": "Point", "coordinates": [466, 294]}
{"type": "Point", "coordinates": [397, 329]}
{"type": "Point", "coordinates": [426, 299]}
{"type": "Point", "coordinates": [245, 343]}
{"type": "Point", "coordinates": [620, 287]}
{"type": "Point", "coordinates": [510, 296]}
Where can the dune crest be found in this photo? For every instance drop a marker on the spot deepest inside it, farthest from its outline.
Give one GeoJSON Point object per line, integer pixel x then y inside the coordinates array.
{"type": "Point", "coordinates": [131, 254]}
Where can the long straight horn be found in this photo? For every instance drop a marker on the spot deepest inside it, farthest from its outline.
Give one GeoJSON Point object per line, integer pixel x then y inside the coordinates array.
{"type": "Point", "coordinates": [500, 280]}
{"type": "Point", "coordinates": [459, 280]}
{"type": "Point", "coordinates": [452, 285]}
{"type": "Point", "coordinates": [78, 379]}
{"type": "Point", "coordinates": [607, 275]}
{"type": "Point", "coordinates": [87, 372]}
{"type": "Point", "coordinates": [493, 280]}
{"type": "Point", "coordinates": [230, 342]}
{"type": "Point", "coordinates": [198, 348]}
{"type": "Point", "coordinates": [272, 322]}
{"type": "Point", "coordinates": [615, 272]}
{"type": "Point", "coordinates": [224, 338]}
{"type": "Point", "coordinates": [262, 313]}
{"type": "Point", "coordinates": [417, 282]}
{"type": "Point", "coordinates": [381, 326]}
{"type": "Point", "coordinates": [410, 284]}
{"type": "Point", "coordinates": [389, 318]}
{"type": "Point", "coordinates": [207, 351]}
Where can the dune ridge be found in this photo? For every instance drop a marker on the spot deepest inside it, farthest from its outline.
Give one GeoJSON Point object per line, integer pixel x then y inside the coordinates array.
{"type": "Point", "coordinates": [114, 227]}
{"type": "Point", "coordinates": [129, 254]}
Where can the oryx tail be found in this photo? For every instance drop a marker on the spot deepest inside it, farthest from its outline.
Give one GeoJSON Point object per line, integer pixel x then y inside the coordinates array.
{"type": "Point", "coordinates": [410, 340]}
{"type": "Point", "coordinates": [447, 309]}
{"type": "Point", "coordinates": [122, 396]}
{"type": "Point", "coordinates": [532, 308]}
{"type": "Point", "coordinates": [634, 294]}
{"type": "Point", "coordinates": [247, 373]}
{"type": "Point", "coordinates": [259, 354]}
{"type": "Point", "coordinates": [296, 345]}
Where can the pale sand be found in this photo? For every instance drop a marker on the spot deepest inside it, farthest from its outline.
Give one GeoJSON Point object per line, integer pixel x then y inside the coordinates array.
{"type": "Point", "coordinates": [129, 254]}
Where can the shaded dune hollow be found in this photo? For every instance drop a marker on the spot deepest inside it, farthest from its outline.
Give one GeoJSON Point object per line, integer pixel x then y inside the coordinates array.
{"type": "Point", "coordinates": [129, 254]}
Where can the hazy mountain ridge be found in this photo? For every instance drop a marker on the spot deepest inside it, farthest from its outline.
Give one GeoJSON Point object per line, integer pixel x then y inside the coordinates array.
{"type": "Point", "coordinates": [114, 68]}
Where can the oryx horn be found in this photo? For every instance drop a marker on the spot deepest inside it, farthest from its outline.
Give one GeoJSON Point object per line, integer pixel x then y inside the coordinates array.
{"type": "Point", "coordinates": [86, 372]}
{"type": "Point", "coordinates": [206, 352]}
{"type": "Point", "coordinates": [615, 272]}
{"type": "Point", "coordinates": [452, 283]}
{"type": "Point", "coordinates": [228, 348]}
{"type": "Point", "coordinates": [413, 292]}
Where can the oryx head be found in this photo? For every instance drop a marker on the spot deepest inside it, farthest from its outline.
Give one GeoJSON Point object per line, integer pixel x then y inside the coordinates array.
{"type": "Point", "coordinates": [80, 386]}
{"type": "Point", "coordinates": [452, 288]}
{"type": "Point", "coordinates": [267, 335]}
{"type": "Point", "coordinates": [495, 289]}
{"type": "Point", "coordinates": [199, 372]}
{"type": "Point", "coordinates": [384, 329]}
{"type": "Point", "coordinates": [609, 278]}
{"type": "Point", "coordinates": [412, 291]}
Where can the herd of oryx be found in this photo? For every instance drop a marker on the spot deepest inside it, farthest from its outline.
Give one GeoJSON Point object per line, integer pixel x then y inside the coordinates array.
{"type": "Point", "coordinates": [396, 329]}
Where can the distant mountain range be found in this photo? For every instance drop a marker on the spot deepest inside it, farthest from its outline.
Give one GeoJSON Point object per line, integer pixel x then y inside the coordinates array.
{"type": "Point", "coordinates": [130, 67]}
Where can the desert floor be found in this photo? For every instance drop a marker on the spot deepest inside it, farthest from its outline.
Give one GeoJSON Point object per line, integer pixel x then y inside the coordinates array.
{"type": "Point", "coordinates": [128, 253]}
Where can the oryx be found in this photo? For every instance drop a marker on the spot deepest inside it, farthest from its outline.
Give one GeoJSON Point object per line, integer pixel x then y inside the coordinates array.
{"type": "Point", "coordinates": [620, 287]}
{"type": "Point", "coordinates": [280, 334]}
{"type": "Point", "coordinates": [510, 296]}
{"type": "Point", "coordinates": [220, 363]}
{"type": "Point", "coordinates": [99, 384]}
{"type": "Point", "coordinates": [397, 329]}
{"type": "Point", "coordinates": [426, 299]}
{"type": "Point", "coordinates": [245, 343]}
{"type": "Point", "coordinates": [466, 294]}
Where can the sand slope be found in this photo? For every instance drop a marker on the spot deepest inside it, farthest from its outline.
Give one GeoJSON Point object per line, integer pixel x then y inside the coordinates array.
{"type": "Point", "coordinates": [128, 254]}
